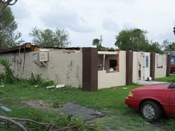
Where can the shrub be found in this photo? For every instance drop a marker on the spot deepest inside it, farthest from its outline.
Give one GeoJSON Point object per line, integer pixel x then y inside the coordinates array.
{"type": "Point", "coordinates": [2, 76]}
{"type": "Point", "coordinates": [77, 123]}
{"type": "Point", "coordinates": [35, 79]}
{"type": "Point", "coordinates": [9, 76]}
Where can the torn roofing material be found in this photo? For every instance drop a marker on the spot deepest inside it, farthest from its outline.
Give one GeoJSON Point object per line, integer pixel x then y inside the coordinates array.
{"type": "Point", "coordinates": [27, 47]}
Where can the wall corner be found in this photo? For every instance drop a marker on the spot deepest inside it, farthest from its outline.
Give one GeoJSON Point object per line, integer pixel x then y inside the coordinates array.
{"type": "Point", "coordinates": [90, 71]}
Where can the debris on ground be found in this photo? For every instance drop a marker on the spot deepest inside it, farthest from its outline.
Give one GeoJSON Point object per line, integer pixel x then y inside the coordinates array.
{"type": "Point", "coordinates": [40, 105]}
{"type": "Point", "coordinates": [2, 85]}
{"type": "Point", "coordinates": [5, 108]}
{"type": "Point", "coordinates": [76, 110]}
{"type": "Point", "coordinates": [55, 86]}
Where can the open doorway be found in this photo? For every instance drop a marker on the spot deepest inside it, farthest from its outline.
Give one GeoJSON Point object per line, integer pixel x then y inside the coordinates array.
{"type": "Point", "coordinates": [144, 65]}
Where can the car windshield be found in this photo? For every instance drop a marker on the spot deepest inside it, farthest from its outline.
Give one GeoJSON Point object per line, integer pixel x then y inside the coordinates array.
{"type": "Point", "coordinates": [172, 62]}
{"type": "Point", "coordinates": [172, 85]}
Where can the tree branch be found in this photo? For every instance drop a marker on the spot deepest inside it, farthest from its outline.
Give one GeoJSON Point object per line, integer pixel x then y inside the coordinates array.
{"type": "Point", "coordinates": [6, 119]}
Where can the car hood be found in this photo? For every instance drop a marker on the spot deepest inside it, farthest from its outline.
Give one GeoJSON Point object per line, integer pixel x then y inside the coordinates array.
{"type": "Point", "coordinates": [154, 87]}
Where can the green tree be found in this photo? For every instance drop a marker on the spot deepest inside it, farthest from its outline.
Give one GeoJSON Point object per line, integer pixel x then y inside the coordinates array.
{"type": "Point", "coordinates": [168, 46]}
{"type": "Point", "coordinates": [8, 27]}
{"type": "Point", "coordinates": [133, 39]}
{"type": "Point", "coordinates": [155, 47]}
{"type": "Point", "coordinates": [97, 43]}
{"type": "Point", "coordinates": [48, 37]}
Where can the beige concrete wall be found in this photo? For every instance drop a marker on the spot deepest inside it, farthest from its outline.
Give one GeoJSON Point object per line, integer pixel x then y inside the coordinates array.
{"type": "Point", "coordinates": [135, 68]}
{"type": "Point", "coordinates": [63, 68]}
{"type": "Point", "coordinates": [161, 72]}
{"type": "Point", "coordinates": [112, 79]}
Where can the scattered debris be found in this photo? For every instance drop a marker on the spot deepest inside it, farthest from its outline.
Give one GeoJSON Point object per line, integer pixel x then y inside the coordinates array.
{"type": "Point", "coordinates": [50, 87]}
{"type": "Point", "coordinates": [5, 108]}
{"type": "Point", "coordinates": [36, 85]}
{"type": "Point", "coordinates": [55, 86]}
{"type": "Point", "coordinates": [60, 86]}
{"type": "Point", "coordinates": [2, 85]}
{"type": "Point", "coordinates": [40, 105]}
{"type": "Point", "coordinates": [22, 123]}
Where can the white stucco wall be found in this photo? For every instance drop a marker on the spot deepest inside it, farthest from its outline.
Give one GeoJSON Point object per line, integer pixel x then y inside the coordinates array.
{"type": "Point", "coordinates": [112, 79]}
{"type": "Point", "coordinates": [161, 72]}
{"type": "Point", "coordinates": [63, 68]}
{"type": "Point", "coordinates": [135, 68]}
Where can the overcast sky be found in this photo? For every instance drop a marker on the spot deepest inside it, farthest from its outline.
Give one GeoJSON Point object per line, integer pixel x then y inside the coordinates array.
{"type": "Point", "coordinates": [85, 20]}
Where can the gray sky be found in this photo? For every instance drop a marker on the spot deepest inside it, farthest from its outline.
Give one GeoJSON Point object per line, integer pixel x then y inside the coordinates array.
{"type": "Point", "coordinates": [85, 20]}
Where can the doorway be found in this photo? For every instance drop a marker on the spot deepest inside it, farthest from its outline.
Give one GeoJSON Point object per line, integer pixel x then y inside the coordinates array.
{"type": "Point", "coordinates": [144, 65]}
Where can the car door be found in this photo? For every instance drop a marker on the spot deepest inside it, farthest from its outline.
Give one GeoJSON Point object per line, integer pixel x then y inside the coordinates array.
{"type": "Point", "coordinates": [172, 102]}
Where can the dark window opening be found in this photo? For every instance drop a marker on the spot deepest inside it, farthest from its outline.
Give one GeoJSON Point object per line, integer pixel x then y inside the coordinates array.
{"type": "Point", "coordinates": [147, 61]}
{"type": "Point", "coordinates": [113, 63]}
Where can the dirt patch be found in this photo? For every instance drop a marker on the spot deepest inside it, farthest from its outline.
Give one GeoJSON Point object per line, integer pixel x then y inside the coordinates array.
{"type": "Point", "coordinates": [40, 105]}
{"type": "Point", "coordinates": [71, 109]}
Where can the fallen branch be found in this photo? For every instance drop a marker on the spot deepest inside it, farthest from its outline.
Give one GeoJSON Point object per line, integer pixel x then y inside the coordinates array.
{"type": "Point", "coordinates": [32, 121]}
{"type": "Point", "coordinates": [19, 122]}
{"type": "Point", "coordinates": [16, 121]}
{"type": "Point", "coordinates": [9, 99]}
{"type": "Point", "coordinates": [6, 119]}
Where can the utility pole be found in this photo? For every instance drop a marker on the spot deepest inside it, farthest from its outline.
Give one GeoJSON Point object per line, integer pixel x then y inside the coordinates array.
{"type": "Point", "coordinates": [174, 30]}
{"type": "Point", "coordinates": [5, 3]}
{"type": "Point", "coordinates": [101, 39]}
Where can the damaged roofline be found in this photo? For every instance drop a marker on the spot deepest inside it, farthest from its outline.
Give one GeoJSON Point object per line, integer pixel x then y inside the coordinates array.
{"type": "Point", "coordinates": [29, 47]}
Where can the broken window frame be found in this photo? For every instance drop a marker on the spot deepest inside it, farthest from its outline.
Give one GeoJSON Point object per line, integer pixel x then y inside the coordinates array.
{"type": "Point", "coordinates": [105, 55]}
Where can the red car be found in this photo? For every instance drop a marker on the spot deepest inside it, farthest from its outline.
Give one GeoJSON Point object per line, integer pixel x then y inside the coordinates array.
{"type": "Point", "coordinates": [172, 68]}
{"type": "Point", "coordinates": [152, 101]}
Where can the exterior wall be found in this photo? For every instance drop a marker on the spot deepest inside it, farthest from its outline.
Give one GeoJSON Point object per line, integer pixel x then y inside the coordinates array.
{"type": "Point", "coordinates": [63, 67]}
{"type": "Point", "coordinates": [135, 68]}
{"type": "Point", "coordinates": [160, 72]}
{"type": "Point", "coordinates": [112, 79]}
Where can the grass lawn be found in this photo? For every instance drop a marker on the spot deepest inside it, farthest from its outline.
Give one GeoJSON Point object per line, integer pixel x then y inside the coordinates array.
{"type": "Point", "coordinates": [170, 78]}
{"type": "Point", "coordinates": [118, 118]}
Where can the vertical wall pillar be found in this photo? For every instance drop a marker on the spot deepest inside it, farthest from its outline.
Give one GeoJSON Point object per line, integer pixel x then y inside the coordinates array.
{"type": "Point", "coordinates": [129, 67]}
{"type": "Point", "coordinates": [152, 65]}
{"type": "Point", "coordinates": [90, 70]}
{"type": "Point", "coordinates": [168, 65]}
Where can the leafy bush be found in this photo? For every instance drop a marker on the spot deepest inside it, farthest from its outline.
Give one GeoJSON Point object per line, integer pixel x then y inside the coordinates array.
{"type": "Point", "coordinates": [76, 123]}
{"type": "Point", "coordinates": [35, 79]}
{"type": "Point", "coordinates": [2, 76]}
{"type": "Point", "coordinates": [36, 116]}
{"type": "Point", "coordinates": [9, 76]}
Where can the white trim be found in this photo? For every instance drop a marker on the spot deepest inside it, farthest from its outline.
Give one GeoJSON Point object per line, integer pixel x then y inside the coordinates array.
{"type": "Point", "coordinates": [107, 53]}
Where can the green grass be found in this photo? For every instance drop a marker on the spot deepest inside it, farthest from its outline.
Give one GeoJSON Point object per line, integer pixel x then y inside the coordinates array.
{"type": "Point", "coordinates": [119, 117]}
{"type": "Point", "coordinates": [170, 78]}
